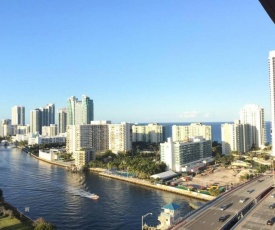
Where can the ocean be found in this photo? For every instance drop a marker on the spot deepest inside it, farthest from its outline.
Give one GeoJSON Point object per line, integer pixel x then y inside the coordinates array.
{"type": "Point", "coordinates": [216, 129]}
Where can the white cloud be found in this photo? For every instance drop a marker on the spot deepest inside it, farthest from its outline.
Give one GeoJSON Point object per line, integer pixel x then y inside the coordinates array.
{"type": "Point", "coordinates": [194, 114]}
{"type": "Point", "coordinates": [188, 115]}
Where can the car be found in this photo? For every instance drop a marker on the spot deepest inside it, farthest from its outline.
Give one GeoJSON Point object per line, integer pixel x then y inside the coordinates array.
{"type": "Point", "coordinates": [242, 200]}
{"type": "Point", "coordinates": [272, 206]}
{"type": "Point", "coordinates": [269, 222]}
{"type": "Point", "coordinates": [223, 207]}
{"type": "Point", "coordinates": [273, 195]}
{"type": "Point", "coordinates": [250, 191]}
{"type": "Point", "coordinates": [222, 218]}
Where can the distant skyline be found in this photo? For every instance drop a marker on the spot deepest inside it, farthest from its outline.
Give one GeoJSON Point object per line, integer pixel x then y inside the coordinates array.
{"type": "Point", "coordinates": [139, 61]}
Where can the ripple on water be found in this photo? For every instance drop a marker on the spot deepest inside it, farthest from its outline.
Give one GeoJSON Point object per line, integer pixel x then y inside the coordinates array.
{"type": "Point", "coordinates": [54, 194]}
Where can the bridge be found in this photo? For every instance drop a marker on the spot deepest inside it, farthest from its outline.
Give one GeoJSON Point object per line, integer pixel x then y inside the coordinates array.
{"type": "Point", "coordinates": [238, 205]}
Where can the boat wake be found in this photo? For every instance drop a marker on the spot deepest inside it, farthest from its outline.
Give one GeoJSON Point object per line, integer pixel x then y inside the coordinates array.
{"type": "Point", "coordinates": [81, 192]}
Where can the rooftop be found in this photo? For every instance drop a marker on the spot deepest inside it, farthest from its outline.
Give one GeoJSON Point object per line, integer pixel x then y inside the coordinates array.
{"type": "Point", "coordinates": [171, 206]}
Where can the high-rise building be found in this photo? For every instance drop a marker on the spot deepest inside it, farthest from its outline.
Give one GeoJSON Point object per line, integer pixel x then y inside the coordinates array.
{"type": "Point", "coordinates": [183, 132]}
{"type": "Point", "coordinates": [44, 116]}
{"type": "Point", "coordinates": [100, 134]}
{"type": "Point", "coordinates": [62, 120]}
{"type": "Point", "coordinates": [152, 133]}
{"type": "Point", "coordinates": [48, 114]}
{"type": "Point", "coordinates": [80, 112]}
{"type": "Point", "coordinates": [120, 137]}
{"type": "Point", "coordinates": [49, 131]}
{"type": "Point", "coordinates": [271, 60]}
{"type": "Point", "coordinates": [79, 139]}
{"type": "Point", "coordinates": [18, 115]}
{"type": "Point", "coordinates": [35, 121]}
{"type": "Point", "coordinates": [235, 137]}
{"type": "Point", "coordinates": [253, 115]}
{"type": "Point", "coordinates": [178, 154]}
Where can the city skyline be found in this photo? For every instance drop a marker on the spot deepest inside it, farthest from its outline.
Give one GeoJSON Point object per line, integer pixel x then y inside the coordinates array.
{"type": "Point", "coordinates": [139, 62]}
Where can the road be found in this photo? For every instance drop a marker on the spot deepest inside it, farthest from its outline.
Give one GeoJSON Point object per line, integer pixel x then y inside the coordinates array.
{"type": "Point", "coordinates": [257, 218]}
{"type": "Point", "coordinates": [209, 218]}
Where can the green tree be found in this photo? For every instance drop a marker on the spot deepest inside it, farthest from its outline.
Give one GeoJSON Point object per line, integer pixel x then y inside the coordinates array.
{"type": "Point", "coordinates": [41, 224]}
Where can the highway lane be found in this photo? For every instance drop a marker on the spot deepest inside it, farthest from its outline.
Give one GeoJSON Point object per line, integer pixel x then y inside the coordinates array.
{"type": "Point", "coordinates": [209, 218]}
{"type": "Point", "coordinates": [258, 217]}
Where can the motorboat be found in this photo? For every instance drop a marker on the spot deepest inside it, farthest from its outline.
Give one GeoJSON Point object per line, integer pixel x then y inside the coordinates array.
{"type": "Point", "coordinates": [93, 196]}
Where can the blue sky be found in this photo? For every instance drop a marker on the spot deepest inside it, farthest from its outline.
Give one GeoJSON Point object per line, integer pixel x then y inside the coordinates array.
{"type": "Point", "coordinates": [140, 61]}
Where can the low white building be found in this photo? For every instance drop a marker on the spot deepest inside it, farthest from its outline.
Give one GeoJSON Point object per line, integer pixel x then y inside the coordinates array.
{"type": "Point", "coordinates": [38, 139]}
{"type": "Point", "coordinates": [51, 154]}
{"type": "Point", "coordinates": [169, 216]}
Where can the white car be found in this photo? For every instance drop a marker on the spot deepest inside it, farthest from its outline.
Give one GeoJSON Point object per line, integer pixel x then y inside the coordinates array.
{"type": "Point", "coordinates": [273, 195]}
{"type": "Point", "coordinates": [242, 200]}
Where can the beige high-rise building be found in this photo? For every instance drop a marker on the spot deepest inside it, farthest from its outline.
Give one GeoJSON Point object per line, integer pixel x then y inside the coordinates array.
{"type": "Point", "coordinates": [49, 131]}
{"type": "Point", "coordinates": [92, 137]}
{"type": "Point", "coordinates": [183, 132]}
{"type": "Point", "coordinates": [147, 133]}
{"type": "Point", "coordinates": [120, 137]}
{"type": "Point", "coordinates": [100, 134]}
{"type": "Point", "coordinates": [79, 138]}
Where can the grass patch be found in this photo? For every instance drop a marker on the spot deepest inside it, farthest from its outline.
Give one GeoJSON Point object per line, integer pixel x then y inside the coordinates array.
{"type": "Point", "coordinates": [13, 224]}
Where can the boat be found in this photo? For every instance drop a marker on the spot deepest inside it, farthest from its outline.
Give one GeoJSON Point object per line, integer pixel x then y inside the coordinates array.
{"type": "Point", "coordinates": [93, 196]}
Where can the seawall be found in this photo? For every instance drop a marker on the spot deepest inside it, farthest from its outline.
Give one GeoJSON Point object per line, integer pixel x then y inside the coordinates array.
{"type": "Point", "coordinates": [159, 186]}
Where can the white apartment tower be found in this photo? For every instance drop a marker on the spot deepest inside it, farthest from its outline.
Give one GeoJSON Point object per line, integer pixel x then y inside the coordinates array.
{"type": "Point", "coordinates": [253, 115]}
{"type": "Point", "coordinates": [271, 62]}
{"type": "Point", "coordinates": [235, 137]}
{"type": "Point", "coordinates": [18, 115]}
{"type": "Point", "coordinates": [183, 132]}
{"type": "Point", "coordinates": [120, 137]}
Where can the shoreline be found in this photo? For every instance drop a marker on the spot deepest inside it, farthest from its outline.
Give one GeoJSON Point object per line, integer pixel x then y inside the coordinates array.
{"type": "Point", "coordinates": [145, 183]}
{"type": "Point", "coordinates": [101, 172]}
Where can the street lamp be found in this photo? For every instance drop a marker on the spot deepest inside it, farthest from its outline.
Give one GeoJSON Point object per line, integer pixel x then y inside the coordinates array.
{"type": "Point", "coordinates": [144, 217]}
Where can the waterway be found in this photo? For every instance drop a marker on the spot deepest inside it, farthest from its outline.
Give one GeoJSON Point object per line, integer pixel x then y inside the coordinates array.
{"type": "Point", "coordinates": [59, 196]}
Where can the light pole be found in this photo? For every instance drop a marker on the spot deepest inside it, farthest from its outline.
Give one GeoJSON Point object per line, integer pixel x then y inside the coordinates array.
{"type": "Point", "coordinates": [144, 217]}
